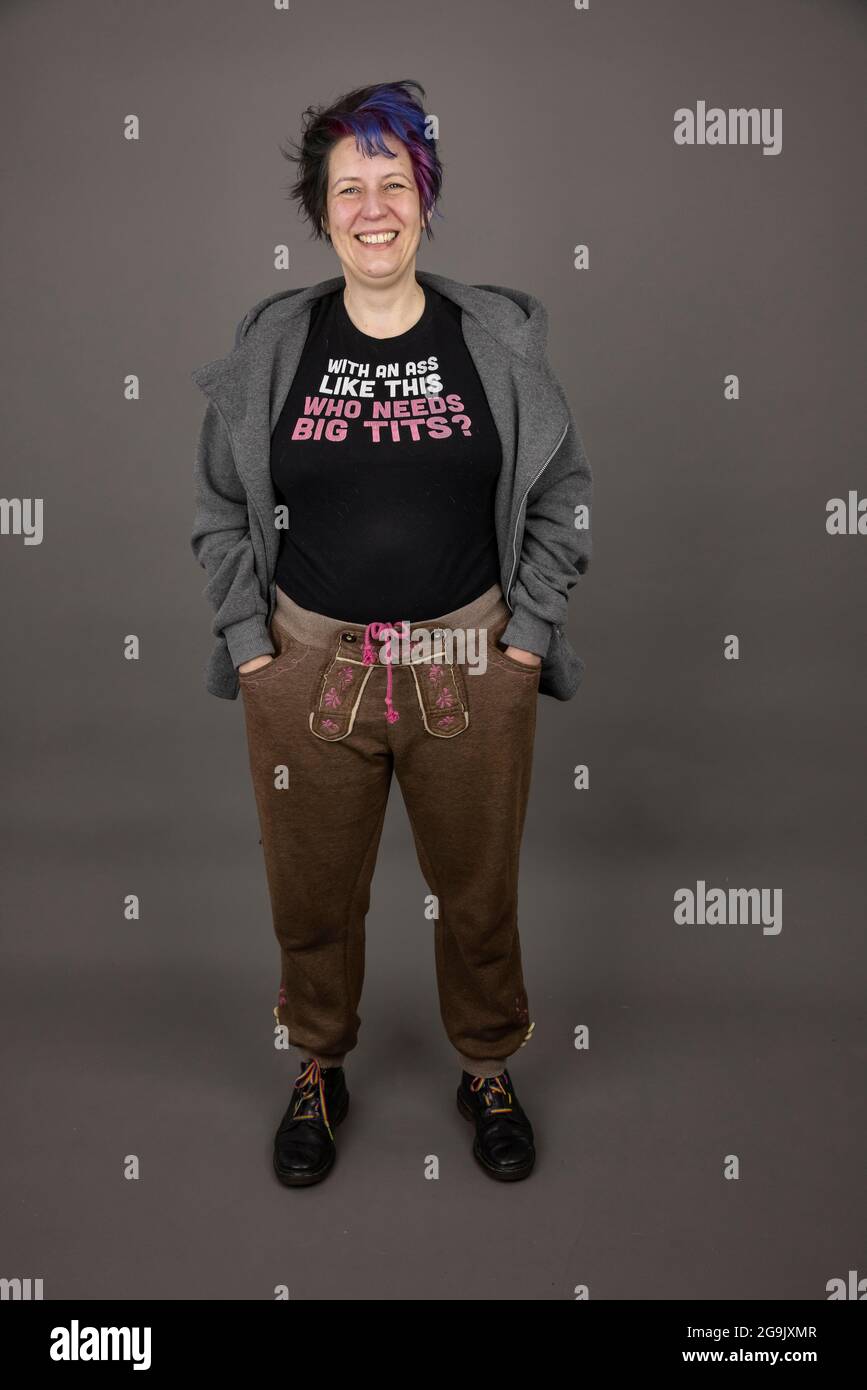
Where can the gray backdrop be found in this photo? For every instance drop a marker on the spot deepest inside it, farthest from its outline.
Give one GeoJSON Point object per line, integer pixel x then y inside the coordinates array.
{"type": "Point", "coordinates": [153, 1038]}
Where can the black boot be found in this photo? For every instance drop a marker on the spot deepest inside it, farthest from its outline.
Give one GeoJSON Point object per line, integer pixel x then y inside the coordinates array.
{"type": "Point", "coordinates": [304, 1149]}
{"type": "Point", "coordinates": [504, 1136]}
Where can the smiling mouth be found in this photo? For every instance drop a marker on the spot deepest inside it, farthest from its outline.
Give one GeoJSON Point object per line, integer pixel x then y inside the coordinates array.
{"type": "Point", "coordinates": [376, 238]}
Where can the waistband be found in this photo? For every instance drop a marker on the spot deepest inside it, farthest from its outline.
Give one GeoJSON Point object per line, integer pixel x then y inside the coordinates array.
{"type": "Point", "coordinates": [317, 630]}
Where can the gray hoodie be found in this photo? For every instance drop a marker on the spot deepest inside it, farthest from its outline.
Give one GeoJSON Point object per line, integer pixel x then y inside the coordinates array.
{"type": "Point", "coordinates": [542, 497]}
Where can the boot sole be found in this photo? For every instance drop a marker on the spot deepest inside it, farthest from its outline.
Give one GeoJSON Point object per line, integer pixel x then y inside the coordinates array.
{"type": "Point", "coordinates": [509, 1175]}
{"type": "Point", "coordinates": [308, 1179]}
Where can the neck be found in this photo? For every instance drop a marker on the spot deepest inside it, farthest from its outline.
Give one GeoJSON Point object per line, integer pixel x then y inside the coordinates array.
{"type": "Point", "coordinates": [383, 311]}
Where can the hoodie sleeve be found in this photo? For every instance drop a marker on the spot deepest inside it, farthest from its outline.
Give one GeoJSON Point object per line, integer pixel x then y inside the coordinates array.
{"type": "Point", "coordinates": [556, 546]}
{"type": "Point", "coordinates": [221, 544]}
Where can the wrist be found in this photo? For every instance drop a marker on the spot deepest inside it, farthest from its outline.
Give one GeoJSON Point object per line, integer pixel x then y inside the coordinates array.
{"type": "Point", "coordinates": [254, 664]}
{"type": "Point", "coordinates": [525, 657]}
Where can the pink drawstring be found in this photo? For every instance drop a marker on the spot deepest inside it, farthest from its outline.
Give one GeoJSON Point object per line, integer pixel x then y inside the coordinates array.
{"type": "Point", "coordinates": [387, 631]}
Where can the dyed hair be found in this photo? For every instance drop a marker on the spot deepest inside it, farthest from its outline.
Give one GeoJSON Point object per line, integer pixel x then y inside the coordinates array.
{"type": "Point", "coordinates": [368, 113]}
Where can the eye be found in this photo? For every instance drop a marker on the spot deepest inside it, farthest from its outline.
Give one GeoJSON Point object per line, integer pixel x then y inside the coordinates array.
{"type": "Point", "coordinates": [353, 187]}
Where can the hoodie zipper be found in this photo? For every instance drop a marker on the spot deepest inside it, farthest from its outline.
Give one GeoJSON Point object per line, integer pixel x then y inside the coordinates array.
{"type": "Point", "coordinates": [521, 508]}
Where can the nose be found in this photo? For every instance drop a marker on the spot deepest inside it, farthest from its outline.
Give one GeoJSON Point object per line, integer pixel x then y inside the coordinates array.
{"type": "Point", "coordinates": [372, 205]}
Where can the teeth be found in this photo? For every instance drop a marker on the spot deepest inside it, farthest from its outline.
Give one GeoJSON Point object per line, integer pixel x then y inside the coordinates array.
{"type": "Point", "coordinates": [377, 238]}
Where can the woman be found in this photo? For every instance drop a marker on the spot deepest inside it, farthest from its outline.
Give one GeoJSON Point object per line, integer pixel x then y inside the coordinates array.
{"type": "Point", "coordinates": [386, 454]}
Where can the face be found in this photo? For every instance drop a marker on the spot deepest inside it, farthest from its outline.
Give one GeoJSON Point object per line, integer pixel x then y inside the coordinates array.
{"type": "Point", "coordinates": [374, 196]}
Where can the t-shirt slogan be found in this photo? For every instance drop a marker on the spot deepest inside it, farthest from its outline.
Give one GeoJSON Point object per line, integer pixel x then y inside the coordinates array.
{"type": "Point", "coordinates": [387, 401]}
{"type": "Point", "coordinates": [385, 460]}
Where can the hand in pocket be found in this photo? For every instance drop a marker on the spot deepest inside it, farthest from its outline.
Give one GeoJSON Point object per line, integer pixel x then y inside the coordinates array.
{"type": "Point", "coordinates": [257, 663]}
{"type": "Point", "coordinates": [524, 658]}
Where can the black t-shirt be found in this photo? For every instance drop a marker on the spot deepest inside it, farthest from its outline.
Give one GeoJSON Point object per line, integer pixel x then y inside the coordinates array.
{"type": "Point", "coordinates": [386, 457]}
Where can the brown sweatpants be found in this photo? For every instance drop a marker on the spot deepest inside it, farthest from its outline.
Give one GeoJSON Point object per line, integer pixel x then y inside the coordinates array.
{"type": "Point", "coordinates": [322, 753]}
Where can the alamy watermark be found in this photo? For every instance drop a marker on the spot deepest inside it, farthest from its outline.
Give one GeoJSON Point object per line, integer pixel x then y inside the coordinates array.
{"type": "Point", "coordinates": [730, 906]}
{"type": "Point", "coordinates": [404, 645]}
{"type": "Point", "coordinates": [22, 516]}
{"type": "Point", "coordinates": [737, 125]}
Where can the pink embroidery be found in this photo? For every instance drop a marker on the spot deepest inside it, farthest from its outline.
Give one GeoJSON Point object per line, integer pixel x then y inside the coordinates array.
{"type": "Point", "coordinates": [445, 698]}
{"type": "Point", "coordinates": [332, 699]}
{"type": "Point", "coordinates": [446, 721]}
{"type": "Point", "coordinates": [347, 675]}
{"type": "Point", "coordinates": [328, 724]}
{"type": "Point", "coordinates": [281, 998]}
{"type": "Point", "coordinates": [434, 673]}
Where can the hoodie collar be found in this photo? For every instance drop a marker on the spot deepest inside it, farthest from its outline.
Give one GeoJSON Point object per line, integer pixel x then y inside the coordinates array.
{"type": "Point", "coordinates": [505, 333]}
{"type": "Point", "coordinates": [516, 319]}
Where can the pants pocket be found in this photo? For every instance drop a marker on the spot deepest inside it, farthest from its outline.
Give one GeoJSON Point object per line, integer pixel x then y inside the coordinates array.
{"type": "Point", "coordinates": [508, 663]}
{"type": "Point", "coordinates": [522, 669]}
{"type": "Point", "coordinates": [288, 654]}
